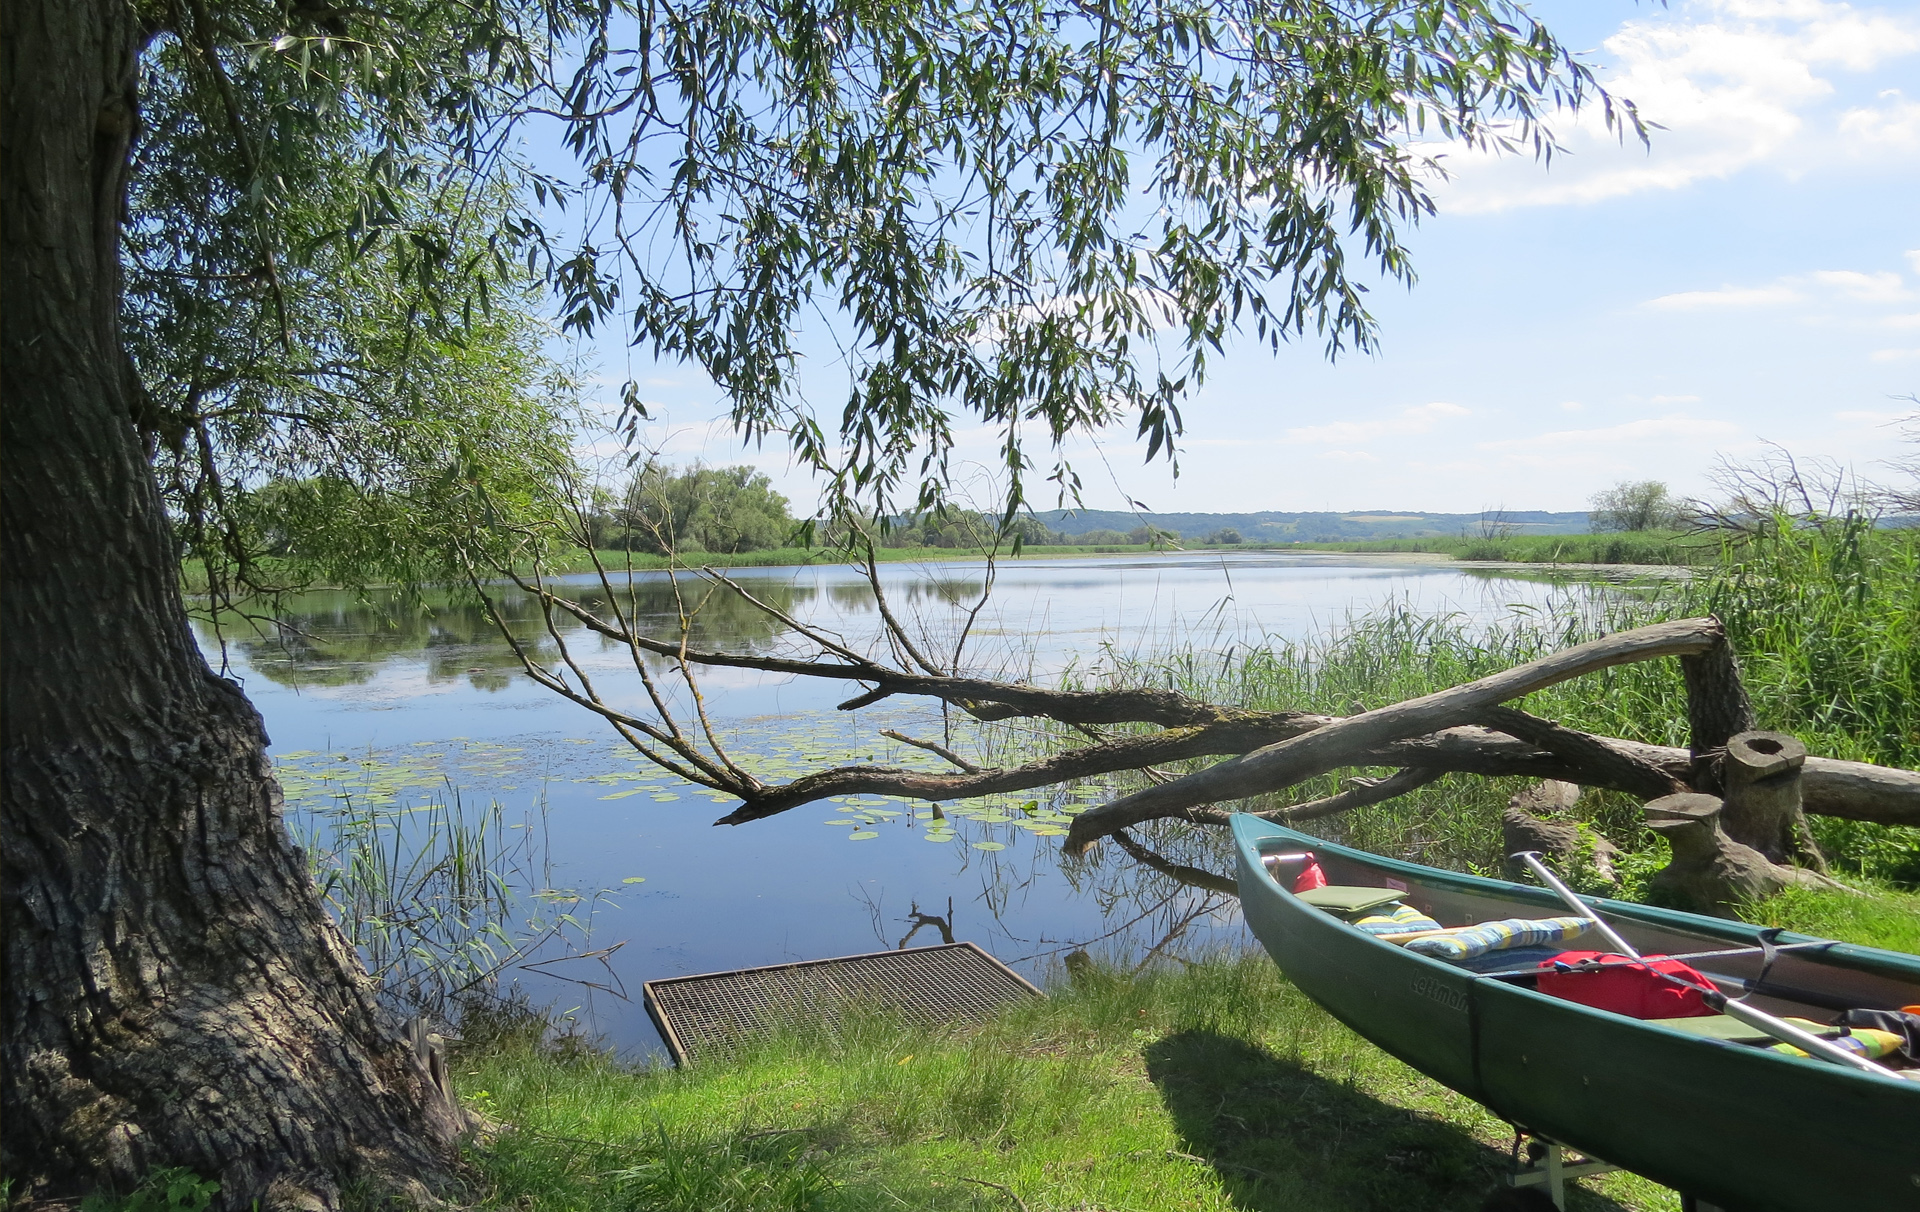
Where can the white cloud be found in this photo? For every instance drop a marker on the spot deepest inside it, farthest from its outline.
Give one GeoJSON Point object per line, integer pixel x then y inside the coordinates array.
{"type": "Point", "coordinates": [1735, 84]}
{"type": "Point", "coordinates": [1869, 288]}
{"type": "Point", "coordinates": [1890, 128]}
{"type": "Point", "coordinates": [1895, 355]}
{"type": "Point", "coordinates": [1675, 400]}
{"type": "Point", "coordinates": [1650, 429]}
{"type": "Point", "coordinates": [1572, 406]}
{"type": "Point", "coordinates": [1830, 285]}
{"type": "Point", "coordinates": [1349, 456]}
{"type": "Point", "coordinates": [1910, 320]}
{"type": "Point", "coordinates": [1913, 259]}
{"type": "Point", "coordinates": [1420, 418]}
{"type": "Point", "coordinates": [1726, 296]}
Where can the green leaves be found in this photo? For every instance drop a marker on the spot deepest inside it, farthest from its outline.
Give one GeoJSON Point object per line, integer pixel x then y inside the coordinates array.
{"type": "Point", "coordinates": [1036, 218]}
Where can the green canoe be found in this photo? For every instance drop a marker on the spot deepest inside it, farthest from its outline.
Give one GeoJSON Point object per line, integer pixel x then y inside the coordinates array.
{"type": "Point", "coordinates": [1725, 1122]}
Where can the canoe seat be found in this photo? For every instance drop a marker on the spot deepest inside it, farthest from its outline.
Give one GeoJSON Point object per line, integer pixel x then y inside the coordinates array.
{"type": "Point", "coordinates": [1345, 899]}
{"type": "Point", "coordinates": [1396, 919]}
{"type": "Point", "coordinates": [1726, 1027]}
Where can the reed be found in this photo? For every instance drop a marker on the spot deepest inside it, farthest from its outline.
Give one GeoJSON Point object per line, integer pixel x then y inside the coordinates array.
{"type": "Point", "coordinates": [440, 900]}
{"type": "Point", "coordinates": [1825, 618]}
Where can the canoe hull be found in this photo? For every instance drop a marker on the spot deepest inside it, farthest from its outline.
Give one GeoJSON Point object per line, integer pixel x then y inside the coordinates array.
{"type": "Point", "coordinates": [1735, 1125]}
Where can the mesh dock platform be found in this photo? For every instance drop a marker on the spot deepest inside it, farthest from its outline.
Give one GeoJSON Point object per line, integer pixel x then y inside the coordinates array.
{"type": "Point", "coordinates": [707, 1016]}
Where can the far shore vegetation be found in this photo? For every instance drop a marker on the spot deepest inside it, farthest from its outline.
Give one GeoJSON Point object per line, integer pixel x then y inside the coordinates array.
{"type": "Point", "coordinates": [1214, 1084]}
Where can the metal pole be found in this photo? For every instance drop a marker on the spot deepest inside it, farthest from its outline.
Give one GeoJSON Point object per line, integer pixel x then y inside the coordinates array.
{"type": "Point", "coordinates": [1759, 1020]}
{"type": "Point", "coordinates": [1532, 859]}
{"type": "Point", "coordinates": [1811, 1044]}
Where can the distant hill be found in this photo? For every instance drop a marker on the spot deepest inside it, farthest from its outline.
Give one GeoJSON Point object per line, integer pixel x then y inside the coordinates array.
{"type": "Point", "coordinates": [1275, 527]}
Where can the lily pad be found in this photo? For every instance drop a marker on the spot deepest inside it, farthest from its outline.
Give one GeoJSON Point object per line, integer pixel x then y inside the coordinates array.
{"type": "Point", "coordinates": [989, 845]}
{"type": "Point", "coordinates": [863, 835]}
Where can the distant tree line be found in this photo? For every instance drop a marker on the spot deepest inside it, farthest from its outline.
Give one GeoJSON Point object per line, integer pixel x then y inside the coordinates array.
{"type": "Point", "coordinates": [667, 510]}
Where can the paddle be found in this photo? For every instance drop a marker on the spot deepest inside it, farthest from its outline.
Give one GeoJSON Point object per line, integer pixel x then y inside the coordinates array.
{"type": "Point", "coordinates": [1759, 1020]}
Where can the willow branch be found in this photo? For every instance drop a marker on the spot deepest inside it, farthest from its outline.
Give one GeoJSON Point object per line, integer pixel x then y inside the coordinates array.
{"type": "Point", "coordinates": [1327, 748]}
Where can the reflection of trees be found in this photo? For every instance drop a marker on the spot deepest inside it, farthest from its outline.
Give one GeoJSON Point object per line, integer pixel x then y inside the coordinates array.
{"type": "Point", "coordinates": [335, 638]}
{"type": "Point", "coordinates": [715, 614]}
{"type": "Point", "coordinates": [944, 592]}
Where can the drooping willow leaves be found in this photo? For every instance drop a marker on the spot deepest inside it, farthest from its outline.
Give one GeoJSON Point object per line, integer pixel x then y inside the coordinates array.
{"type": "Point", "coordinates": [1038, 217]}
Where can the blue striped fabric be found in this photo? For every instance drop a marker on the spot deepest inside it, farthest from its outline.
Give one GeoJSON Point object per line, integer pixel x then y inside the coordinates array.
{"type": "Point", "coordinates": [1465, 942]}
{"type": "Point", "coordinates": [1397, 919]}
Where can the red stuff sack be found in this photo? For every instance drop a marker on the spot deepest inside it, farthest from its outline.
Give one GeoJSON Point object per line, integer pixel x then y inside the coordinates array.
{"type": "Point", "coordinates": [1614, 982]}
{"type": "Point", "coordinates": [1312, 877]}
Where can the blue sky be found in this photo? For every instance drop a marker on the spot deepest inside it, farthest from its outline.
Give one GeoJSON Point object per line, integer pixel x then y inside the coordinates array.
{"type": "Point", "coordinates": [1625, 314]}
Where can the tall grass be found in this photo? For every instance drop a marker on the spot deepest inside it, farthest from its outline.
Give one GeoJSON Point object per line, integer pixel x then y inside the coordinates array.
{"type": "Point", "coordinates": [1635, 547]}
{"type": "Point", "coordinates": [1825, 620]}
{"type": "Point", "coordinates": [438, 900]}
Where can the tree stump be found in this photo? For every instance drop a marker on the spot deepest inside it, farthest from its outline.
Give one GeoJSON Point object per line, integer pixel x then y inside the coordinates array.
{"type": "Point", "coordinates": [1711, 872]}
{"type": "Point", "coordinates": [1521, 829]}
{"type": "Point", "coordinates": [1760, 772]}
{"type": "Point", "coordinates": [1717, 707]}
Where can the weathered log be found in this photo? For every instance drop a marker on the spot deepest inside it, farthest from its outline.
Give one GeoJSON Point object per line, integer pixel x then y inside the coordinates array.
{"type": "Point", "coordinates": [1711, 872]}
{"type": "Point", "coordinates": [1522, 828]}
{"type": "Point", "coordinates": [1860, 791]}
{"type": "Point", "coordinates": [1334, 745]}
{"type": "Point", "coordinates": [1600, 761]}
{"type": "Point", "coordinates": [1717, 706]}
{"type": "Point", "coordinates": [1856, 791]}
{"type": "Point", "coordinates": [1464, 750]}
{"type": "Point", "coordinates": [1760, 772]}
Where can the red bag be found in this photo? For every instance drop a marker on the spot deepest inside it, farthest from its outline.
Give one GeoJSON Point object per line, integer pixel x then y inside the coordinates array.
{"type": "Point", "coordinates": [1616, 983]}
{"type": "Point", "coordinates": [1311, 877]}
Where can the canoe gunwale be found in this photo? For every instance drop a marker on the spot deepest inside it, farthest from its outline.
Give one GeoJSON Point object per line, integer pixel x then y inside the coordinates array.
{"type": "Point", "coordinates": [1672, 1105]}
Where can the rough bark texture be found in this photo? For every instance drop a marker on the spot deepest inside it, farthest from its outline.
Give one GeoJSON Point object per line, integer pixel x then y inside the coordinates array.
{"type": "Point", "coordinates": [1523, 828]}
{"type": "Point", "coordinates": [1717, 708]}
{"type": "Point", "coordinates": [1290, 761]}
{"type": "Point", "coordinates": [1711, 872]}
{"type": "Point", "coordinates": [1761, 772]}
{"type": "Point", "coordinates": [172, 993]}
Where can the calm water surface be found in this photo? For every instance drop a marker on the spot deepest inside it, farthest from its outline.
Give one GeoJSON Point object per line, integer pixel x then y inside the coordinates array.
{"type": "Point", "coordinates": [396, 704]}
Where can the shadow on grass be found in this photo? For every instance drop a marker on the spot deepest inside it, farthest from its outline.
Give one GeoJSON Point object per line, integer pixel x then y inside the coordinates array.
{"type": "Point", "coordinates": [1282, 1137]}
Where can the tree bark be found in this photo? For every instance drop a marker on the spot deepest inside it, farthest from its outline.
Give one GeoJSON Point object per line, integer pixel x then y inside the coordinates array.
{"type": "Point", "coordinates": [1324, 749]}
{"type": "Point", "coordinates": [173, 994]}
{"type": "Point", "coordinates": [1717, 707]}
{"type": "Point", "coordinates": [1761, 772]}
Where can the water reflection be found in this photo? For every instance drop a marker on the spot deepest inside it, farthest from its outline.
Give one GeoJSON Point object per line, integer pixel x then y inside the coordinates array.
{"type": "Point", "coordinates": [386, 699]}
{"type": "Point", "coordinates": [332, 638]}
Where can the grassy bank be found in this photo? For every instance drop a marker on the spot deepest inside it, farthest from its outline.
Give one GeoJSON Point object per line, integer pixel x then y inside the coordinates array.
{"type": "Point", "coordinates": [1641, 547]}
{"type": "Point", "coordinates": [1217, 1087]}
{"type": "Point", "coordinates": [1826, 622]}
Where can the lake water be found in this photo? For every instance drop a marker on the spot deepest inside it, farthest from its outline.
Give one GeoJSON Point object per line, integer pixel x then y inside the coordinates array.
{"type": "Point", "coordinates": [384, 703]}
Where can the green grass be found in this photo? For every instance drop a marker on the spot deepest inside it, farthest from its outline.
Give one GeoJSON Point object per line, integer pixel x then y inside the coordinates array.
{"type": "Point", "coordinates": [1219, 1087]}
{"type": "Point", "coordinates": [1826, 622]}
{"type": "Point", "coordinates": [1638, 547]}
{"type": "Point", "coordinates": [1889, 918]}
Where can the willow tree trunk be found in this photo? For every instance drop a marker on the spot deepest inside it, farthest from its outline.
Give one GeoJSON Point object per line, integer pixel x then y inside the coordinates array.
{"type": "Point", "coordinates": [172, 993]}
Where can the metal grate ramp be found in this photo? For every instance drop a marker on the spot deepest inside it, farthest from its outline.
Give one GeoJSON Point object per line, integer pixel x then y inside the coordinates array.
{"type": "Point", "coordinates": [705, 1016]}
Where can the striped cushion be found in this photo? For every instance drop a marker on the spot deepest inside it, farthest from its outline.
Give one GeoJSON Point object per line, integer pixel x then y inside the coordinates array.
{"type": "Point", "coordinates": [1469, 941]}
{"type": "Point", "coordinates": [1398, 919]}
